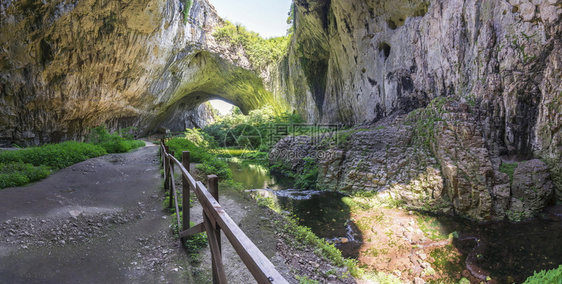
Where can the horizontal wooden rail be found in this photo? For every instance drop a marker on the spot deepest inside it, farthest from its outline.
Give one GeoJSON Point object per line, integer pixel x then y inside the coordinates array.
{"type": "Point", "coordinates": [215, 219]}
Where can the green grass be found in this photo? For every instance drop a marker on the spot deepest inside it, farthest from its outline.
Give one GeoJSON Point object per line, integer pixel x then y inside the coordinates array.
{"type": "Point", "coordinates": [447, 262]}
{"type": "Point", "coordinates": [424, 121]}
{"type": "Point", "coordinates": [186, 10]}
{"type": "Point", "coordinates": [304, 235]}
{"type": "Point", "coordinates": [305, 280]}
{"type": "Point", "coordinates": [215, 166]}
{"type": "Point", "coordinates": [19, 167]}
{"type": "Point", "coordinates": [232, 152]}
{"type": "Point", "coordinates": [55, 156]}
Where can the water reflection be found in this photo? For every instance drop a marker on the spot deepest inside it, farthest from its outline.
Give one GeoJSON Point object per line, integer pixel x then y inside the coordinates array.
{"type": "Point", "coordinates": [254, 176]}
{"type": "Point", "coordinates": [323, 212]}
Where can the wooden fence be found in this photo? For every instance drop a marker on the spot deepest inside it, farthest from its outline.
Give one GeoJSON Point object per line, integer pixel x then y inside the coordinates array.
{"type": "Point", "coordinates": [215, 219]}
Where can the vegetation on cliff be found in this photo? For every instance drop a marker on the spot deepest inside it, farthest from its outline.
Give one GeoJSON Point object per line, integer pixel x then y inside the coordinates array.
{"type": "Point", "coordinates": [261, 52]}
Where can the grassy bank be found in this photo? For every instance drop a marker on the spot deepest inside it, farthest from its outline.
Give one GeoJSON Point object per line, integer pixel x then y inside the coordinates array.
{"type": "Point", "coordinates": [20, 167]}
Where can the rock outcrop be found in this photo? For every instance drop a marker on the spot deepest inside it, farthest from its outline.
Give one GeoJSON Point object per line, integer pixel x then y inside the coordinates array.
{"type": "Point", "coordinates": [67, 66]}
{"type": "Point", "coordinates": [432, 159]}
{"type": "Point", "coordinates": [459, 86]}
{"type": "Point", "coordinates": [531, 189]}
{"type": "Point", "coordinates": [357, 62]}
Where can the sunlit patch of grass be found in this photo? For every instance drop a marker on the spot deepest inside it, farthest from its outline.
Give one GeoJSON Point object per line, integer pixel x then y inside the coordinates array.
{"type": "Point", "coordinates": [448, 262]}
{"type": "Point", "coordinates": [231, 152]}
{"type": "Point", "coordinates": [431, 227]}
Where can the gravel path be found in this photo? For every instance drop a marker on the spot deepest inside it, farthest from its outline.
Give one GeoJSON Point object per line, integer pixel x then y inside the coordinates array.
{"type": "Point", "coordinates": [99, 221]}
{"type": "Point", "coordinates": [102, 221]}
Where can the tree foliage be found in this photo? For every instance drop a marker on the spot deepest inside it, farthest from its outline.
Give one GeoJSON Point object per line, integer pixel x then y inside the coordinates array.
{"type": "Point", "coordinates": [261, 52]}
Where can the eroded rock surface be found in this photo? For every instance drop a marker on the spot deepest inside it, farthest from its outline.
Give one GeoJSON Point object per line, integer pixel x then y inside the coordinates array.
{"type": "Point", "coordinates": [433, 159]}
{"type": "Point", "coordinates": [68, 66]}
{"type": "Point", "coordinates": [357, 62]}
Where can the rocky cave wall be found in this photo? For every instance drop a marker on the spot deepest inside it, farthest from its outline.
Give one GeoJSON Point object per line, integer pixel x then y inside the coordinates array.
{"type": "Point", "coordinates": [70, 65]}
{"type": "Point", "coordinates": [67, 66]}
{"type": "Point", "coordinates": [499, 63]}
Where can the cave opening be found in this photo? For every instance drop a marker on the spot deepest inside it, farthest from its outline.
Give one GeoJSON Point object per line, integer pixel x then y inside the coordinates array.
{"type": "Point", "coordinates": [223, 107]}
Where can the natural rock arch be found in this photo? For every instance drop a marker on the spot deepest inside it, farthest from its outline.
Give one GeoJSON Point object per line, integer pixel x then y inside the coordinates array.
{"type": "Point", "coordinates": [93, 62]}
{"type": "Point", "coordinates": [200, 77]}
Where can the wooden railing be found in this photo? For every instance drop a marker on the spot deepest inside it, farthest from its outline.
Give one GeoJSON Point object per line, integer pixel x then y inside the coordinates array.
{"type": "Point", "coordinates": [215, 219]}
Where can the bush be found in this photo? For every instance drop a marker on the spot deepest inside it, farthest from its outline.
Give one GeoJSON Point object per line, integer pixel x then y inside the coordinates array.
{"type": "Point", "coordinates": [305, 179]}
{"type": "Point", "coordinates": [550, 276]}
{"type": "Point", "coordinates": [309, 175]}
{"type": "Point", "coordinates": [217, 167]}
{"type": "Point", "coordinates": [196, 154]}
{"type": "Point", "coordinates": [19, 167]}
{"type": "Point", "coordinates": [56, 156]}
{"type": "Point", "coordinates": [251, 131]}
{"type": "Point", "coordinates": [18, 174]}
{"type": "Point", "coordinates": [114, 143]}
{"type": "Point", "coordinates": [200, 138]}
{"type": "Point", "coordinates": [210, 164]}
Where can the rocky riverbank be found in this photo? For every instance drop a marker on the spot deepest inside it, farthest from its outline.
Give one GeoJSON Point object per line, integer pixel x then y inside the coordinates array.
{"type": "Point", "coordinates": [433, 159]}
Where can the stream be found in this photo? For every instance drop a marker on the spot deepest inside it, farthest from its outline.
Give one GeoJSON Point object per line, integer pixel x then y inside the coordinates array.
{"type": "Point", "coordinates": [510, 252]}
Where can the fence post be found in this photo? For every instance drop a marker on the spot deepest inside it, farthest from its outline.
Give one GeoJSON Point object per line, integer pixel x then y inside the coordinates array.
{"type": "Point", "coordinates": [162, 152]}
{"type": "Point", "coordinates": [166, 169]}
{"type": "Point", "coordinates": [213, 187]}
{"type": "Point", "coordinates": [185, 158]}
{"type": "Point", "coordinates": [171, 165]}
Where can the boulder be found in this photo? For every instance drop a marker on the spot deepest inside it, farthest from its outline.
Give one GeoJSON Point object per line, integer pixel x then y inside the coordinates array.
{"type": "Point", "coordinates": [531, 190]}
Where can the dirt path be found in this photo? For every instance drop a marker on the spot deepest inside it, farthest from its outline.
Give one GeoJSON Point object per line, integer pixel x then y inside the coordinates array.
{"type": "Point", "coordinates": [99, 221]}
{"type": "Point", "coordinates": [258, 224]}
{"type": "Point", "coordinates": [102, 221]}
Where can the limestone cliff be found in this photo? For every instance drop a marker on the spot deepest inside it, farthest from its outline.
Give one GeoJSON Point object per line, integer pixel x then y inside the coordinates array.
{"type": "Point", "coordinates": [497, 62]}
{"type": "Point", "coordinates": [460, 87]}
{"type": "Point", "coordinates": [70, 65]}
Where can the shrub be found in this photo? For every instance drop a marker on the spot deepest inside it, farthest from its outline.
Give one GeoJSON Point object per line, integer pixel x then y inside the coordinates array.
{"type": "Point", "coordinates": [253, 131]}
{"type": "Point", "coordinates": [200, 138]}
{"type": "Point", "coordinates": [309, 175]}
{"type": "Point", "coordinates": [544, 276]}
{"type": "Point", "coordinates": [18, 174]}
{"type": "Point", "coordinates": [306, 178]}
{"type": "Point", "coordinates": [217, 167]}
{"type": "Point", "coordinates": [210, 164]}
{"type": "Point", "coordinates": [13, 180]}
{"type": "Point", "coordinates": [56, 156]}
{"type": "Point", "coordinates": [113, 143]}
{"type": "Point", "coordinates": [32, 164]}
{"type": "Point", "coordinates": [196, 154]}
